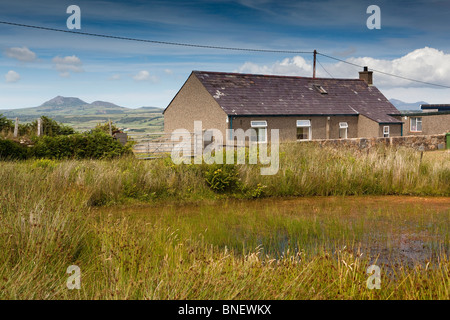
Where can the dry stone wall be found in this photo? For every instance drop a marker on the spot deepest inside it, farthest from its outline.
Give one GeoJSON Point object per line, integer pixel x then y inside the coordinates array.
{"type": "Point", "coordinates": [421, 143]}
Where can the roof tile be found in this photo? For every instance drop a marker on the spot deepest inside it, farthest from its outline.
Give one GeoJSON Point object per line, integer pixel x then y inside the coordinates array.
{"type": "Point", "coordinates": [252, 94]}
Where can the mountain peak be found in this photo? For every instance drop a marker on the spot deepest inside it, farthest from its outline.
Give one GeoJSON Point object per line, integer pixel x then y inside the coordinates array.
{"type": "Point", "coordinates": [99, 103]}
{"type": "Point", "coordinates": [401, 105]}
{"type": "Point", "coordinates": [60, 101]}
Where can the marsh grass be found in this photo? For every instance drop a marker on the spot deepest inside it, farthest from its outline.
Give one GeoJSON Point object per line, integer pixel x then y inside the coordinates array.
{"type": "Point", "coordinates": [153, 230]}
{"type": "Point", "coordinates": [218, 252]}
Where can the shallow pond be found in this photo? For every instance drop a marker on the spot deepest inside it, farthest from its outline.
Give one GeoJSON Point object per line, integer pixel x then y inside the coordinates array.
{"type": "Point", "coordinates": [388, 230]}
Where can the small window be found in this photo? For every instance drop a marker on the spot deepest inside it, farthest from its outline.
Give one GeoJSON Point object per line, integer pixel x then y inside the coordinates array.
{"type": "Point", "coordinates": [303, 123]}
{"type": "Point", "coordinates": [303, 130]}
{"type": "Point", "coordinates": [416, 124]}
{"type": "Point", "coordinates": [256, 124]}
{"type": "Point", "coordinates": [320, 89]}
{"type": "Point", "coordinates": [343, 127]}
{"type": "Point", "coordinates": [260, 131]}
{"type": "Point", "coordinates": [386, 131]}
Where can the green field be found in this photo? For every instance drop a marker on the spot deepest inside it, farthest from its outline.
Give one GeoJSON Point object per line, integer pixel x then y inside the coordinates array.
{"type": "Point", "coordinates": [84, 116]}
{"type": "Point", "coordinates": [132, 122]}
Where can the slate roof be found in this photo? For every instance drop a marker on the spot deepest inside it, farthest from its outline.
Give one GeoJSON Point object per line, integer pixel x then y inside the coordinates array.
{"type": "Point", "coordinates": [253, 94]}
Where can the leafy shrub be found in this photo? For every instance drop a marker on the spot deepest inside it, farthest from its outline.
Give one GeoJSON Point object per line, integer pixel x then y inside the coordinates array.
{"type": "Point", "coordinates": [10, 150]}
{"type": "Point", "coordinates": [5, 124]}
{"type": "Point", "coordinates": [49, 128]}
{"type": "Point", "coordinates": [258, 191]}
{"type": "Point", "coordinates": [44, 163]}
{"type": "Point", "coordinates": [222, 178]}
{"type": "Point", "coordinates": [104, 128]}
{"type": "Point", "coordinates": [96, 145]}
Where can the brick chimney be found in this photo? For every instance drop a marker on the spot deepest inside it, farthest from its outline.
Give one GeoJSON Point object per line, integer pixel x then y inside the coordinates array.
{"type": "Point", "coordinates": [366, 75]}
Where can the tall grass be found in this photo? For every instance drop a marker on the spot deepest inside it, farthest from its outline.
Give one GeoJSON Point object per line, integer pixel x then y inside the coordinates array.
{"type": "Point", "coordinates": [309, 170]}
{"type": "Point", "coordinates": [122, 223]}
{"type": "Point", "coordinates": [224, 251]}
{"type": "Point", "coordinates": [305, 170]}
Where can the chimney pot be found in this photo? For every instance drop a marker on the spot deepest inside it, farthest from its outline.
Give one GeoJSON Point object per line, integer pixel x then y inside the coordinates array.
{"type": "Point", "coordinates": [367, 76]}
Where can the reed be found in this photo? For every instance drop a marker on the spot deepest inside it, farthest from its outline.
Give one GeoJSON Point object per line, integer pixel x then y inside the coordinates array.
{"type": "Point", "coordinates": [155, 230]}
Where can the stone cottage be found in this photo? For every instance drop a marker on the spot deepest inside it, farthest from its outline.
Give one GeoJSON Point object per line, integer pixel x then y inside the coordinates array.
{"type": "Point", "coordinates": [301, 108]}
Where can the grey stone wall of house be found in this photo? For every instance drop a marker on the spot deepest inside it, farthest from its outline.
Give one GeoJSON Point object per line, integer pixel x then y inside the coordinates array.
{"type": "Point", "coordinates": [434, 123]}
{"type": "Point", "coordinates": [367, 128]}
{"type": "Point", "coordinates": [322, 127]}
{"type": "Point", "coordinates": [421, 143]}
{"type": "Point", "coordinates": [288, 125]}
{"type": "Point", "coordinates": [194, 103]}
{"type": "Point", "coordinates": [395, 130]}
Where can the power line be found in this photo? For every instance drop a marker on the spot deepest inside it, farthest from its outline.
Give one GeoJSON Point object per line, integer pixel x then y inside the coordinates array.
{"type": "Point", "coordinates": [155, 41]}
{"type": "Point", "coordinates": [215, 47]}
{"type": "Point", "coordinates": [385, 73]}
{"type": "Point", "coordinates": [325, 69]}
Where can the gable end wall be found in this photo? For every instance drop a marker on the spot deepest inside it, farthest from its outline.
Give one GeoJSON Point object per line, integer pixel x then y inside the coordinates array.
{"type": "Point", "coordinates": [367, 128]}
{"type": "Point", "coordinates": [194, 103]}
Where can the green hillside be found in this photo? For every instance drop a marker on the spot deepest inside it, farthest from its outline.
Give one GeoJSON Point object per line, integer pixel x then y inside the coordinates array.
{"type": "Point", "coordinates": [84, 116]}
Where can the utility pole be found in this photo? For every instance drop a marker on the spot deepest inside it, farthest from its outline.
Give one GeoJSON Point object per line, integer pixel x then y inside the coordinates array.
{"type": "Point", "coordinates": [314, 66]}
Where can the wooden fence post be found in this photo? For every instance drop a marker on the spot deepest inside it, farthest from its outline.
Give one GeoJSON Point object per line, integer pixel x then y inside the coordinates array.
{"type": "Point", "coordinates": [39, 127]}
{"type": "Point", "coordinates": [16, 128]}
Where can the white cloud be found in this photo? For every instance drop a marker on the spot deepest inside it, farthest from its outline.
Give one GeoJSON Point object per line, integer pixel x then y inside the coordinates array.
{"type": "Point", "coordinates": [296, 66]}
{"type": "Point", "coordinates": [22, 54]}
{"type": "Point", "coordinates": [168, 71]}
{"type": "Point", "coordinates": [425, 64]}
{"type": "Point", "coordinates": [144, 76]}
{"type": "Point", "coordinates": [114, 77]}
{"type": "Point", "coordinates": [12, 76]}
{"type": "Point", "coordinates": [416, 94]}
{"type": "Point", "coordinates": [67, 65]}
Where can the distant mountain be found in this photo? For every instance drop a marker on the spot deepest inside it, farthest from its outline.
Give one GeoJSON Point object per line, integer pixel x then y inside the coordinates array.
{"type": "Point", "coordinates": [401, 105]}
{"type": "Point", "coordinates": [142, 109]}
{"type": "Point", "coordinates": [104, 104]}
{"type": "Point", "coordinates": [63, 102]}
{"type": "Point", "coordinates": [71, 106]}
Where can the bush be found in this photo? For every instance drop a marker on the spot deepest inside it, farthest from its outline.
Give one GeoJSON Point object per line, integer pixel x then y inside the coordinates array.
{"type": "Point", "coordinates": [222, 178]}
{"type": "Point", "coordinates": [10, 150]}
{"type": "Point", "coordinates": [5, 124]}
{"type": "Point", "coordinates": [96, 145]}
{"type": "Point", "coordinates": [104, 128]}
{"type": "Point", "coordinates": [51, 128]}
{"type": "Point", "coordinates": [44, 164]}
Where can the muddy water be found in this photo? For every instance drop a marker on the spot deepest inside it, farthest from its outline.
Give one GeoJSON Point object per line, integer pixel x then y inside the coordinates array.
{"type": "Point", "coordinates": [388, 230]}
{"type": "Point", "coordinates": [406, 231]}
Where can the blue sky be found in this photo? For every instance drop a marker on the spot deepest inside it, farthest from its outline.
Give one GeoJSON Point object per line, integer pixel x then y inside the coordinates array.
{"type": "Point", "coordinates": [37, 65]}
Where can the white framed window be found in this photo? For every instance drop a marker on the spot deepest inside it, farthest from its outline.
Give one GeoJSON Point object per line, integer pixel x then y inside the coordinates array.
{"type": "Point", "coordinates": [416, 124]}
{"type": "Point", "coordinates": [386, 132]}
{"type": "Point", "coordinates": [343, 127]}
{"type": "Point", "coordinates": [261, 130]}
{"type": "Point", "coordinates": [303, 130]}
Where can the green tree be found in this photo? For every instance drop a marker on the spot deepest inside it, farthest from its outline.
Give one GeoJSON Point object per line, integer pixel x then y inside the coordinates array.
{"type": "Point", "coordinates": [5, 124]}
{"type": "Point", "coordinates": [52, 128]}
{"type": "Point", "coordinates": [104, 127]}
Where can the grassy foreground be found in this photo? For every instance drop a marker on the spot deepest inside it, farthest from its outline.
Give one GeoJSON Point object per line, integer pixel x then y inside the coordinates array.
{"type": "Point", "coordinates": [110, 218]}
